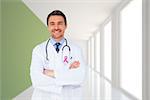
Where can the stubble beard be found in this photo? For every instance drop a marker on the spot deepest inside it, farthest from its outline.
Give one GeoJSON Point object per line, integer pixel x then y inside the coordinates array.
{"type": "Point", "coordinates": [56, 36]}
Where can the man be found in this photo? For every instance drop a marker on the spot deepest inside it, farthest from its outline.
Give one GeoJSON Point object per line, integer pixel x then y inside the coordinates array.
{"type": "Point", "coordinates": [57, 69]}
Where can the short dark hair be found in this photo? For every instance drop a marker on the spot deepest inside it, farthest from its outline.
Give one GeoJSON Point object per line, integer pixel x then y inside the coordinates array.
{"type": "Point", "coordinates": [59, 13]}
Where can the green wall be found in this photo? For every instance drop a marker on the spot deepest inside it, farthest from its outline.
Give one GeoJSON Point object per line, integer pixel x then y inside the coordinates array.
{"type": "Point", "coordinates": [21, 31]}
{"type": "Point", "coordinates": [0, 50]}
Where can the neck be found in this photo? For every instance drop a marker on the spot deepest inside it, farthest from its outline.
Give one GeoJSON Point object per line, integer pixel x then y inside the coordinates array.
{"type": "Point", "coordinates": [58, 40]}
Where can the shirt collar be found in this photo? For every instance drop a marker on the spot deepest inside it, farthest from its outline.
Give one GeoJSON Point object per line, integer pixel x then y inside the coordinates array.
{"type": "Point", "coordinates": [52, 41]}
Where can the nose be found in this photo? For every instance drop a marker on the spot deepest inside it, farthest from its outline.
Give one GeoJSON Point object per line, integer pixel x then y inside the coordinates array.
{"type": "Point", "coordinates": [56, 27]}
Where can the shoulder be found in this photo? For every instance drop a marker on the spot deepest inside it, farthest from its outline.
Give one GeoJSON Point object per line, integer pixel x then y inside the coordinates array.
{"type": "Point", "coordinates": [40, 47]}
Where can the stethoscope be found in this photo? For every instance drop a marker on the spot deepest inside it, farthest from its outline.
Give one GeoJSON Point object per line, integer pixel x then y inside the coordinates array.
{"type": "Point", "coordinates": [65, 57]}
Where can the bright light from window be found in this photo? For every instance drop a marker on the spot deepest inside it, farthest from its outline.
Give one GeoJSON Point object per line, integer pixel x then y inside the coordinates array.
{"type": "Point", "coordinates": [92, 51]}
{"type": "Point", "coordinates": [97, 36]}
{"type": "Point", "coordinates": [89, 53]}
{"type": "Point", "coordinates": [90, 80]}
{"type": "Point", "coordinates": [98, 87]}
{"type": "Point", "coordinates": [107, 50]}
{"type": "Point", "coordinates": [93, 84]}
{"type": "Point", "coordinates": [131, 48]}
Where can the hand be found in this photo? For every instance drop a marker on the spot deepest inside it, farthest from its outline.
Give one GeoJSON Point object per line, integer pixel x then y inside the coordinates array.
{"type": "Point", "coordinates": [48, 72]}
{"type": "Point", "coordinates": [74, 65]}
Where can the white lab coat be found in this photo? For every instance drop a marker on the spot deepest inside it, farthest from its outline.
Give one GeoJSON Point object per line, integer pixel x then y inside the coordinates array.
{"type": "Point", "coordinates": [67, 84]}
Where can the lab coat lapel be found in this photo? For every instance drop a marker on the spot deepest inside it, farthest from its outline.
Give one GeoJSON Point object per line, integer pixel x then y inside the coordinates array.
{"type": "Point", "coordinates": [60, 51]}
{"type": "Point", "coordinates": [55, 59]}
{"type": "Point", "coordinates": [51, 50]}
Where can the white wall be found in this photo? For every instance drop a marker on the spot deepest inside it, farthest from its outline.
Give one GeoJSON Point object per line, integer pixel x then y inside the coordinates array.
{"type": "Point", "coordinates": [84, 45]}
{"type": "Point", "coordinates": [86, 89]}
{"type": "Point", "coordinates": [146, 50]}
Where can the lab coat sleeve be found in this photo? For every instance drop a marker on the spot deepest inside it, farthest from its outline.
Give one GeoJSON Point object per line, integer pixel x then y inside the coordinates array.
{"type": "Point", "coordinates": [72, 76]}
{"type": "Point", "coordinates": [39, 80]}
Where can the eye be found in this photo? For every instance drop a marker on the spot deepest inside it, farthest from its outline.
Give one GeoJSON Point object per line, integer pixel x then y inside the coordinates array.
{"type": "Point", "coordinates": [52, 23]}
{"type": "Point", "coordinates": [60, 23]}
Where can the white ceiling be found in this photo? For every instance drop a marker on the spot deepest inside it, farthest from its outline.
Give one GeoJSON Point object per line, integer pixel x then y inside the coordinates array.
{"type": "Point", "coordinates": [83, 16]}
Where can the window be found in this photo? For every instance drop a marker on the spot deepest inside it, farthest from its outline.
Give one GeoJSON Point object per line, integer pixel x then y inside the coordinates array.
{"type": "Point", "coordinates": [98, 92]}
{"type": "Point", "coordinates": [93, 83]}
{"type": "Point", "coordinates": [92, 52]}
{"type": "Point", "coordinates": [89, 53]}
{"type": "Point", "coordinates": [131, 48]}
{"type": "Point", "coordinates": [97, 37]}
{"type": "Point", "coordinates": [107, 50]}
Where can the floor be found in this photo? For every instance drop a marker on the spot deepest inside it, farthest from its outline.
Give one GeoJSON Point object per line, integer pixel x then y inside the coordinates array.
{"type": "Point", "coordinates": [95, 88]}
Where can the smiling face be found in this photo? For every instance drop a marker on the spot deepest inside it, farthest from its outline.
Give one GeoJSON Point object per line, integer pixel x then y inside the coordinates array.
{"type": "Point", "coordinates": [57, 27]}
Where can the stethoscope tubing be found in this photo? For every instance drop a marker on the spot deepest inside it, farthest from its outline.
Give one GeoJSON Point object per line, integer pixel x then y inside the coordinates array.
{"type": "Point", "coordinates": [62, 48]}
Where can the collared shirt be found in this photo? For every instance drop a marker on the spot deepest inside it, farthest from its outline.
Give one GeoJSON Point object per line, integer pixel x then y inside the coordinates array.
{"type": "Point", "coordinates": [52, 41]}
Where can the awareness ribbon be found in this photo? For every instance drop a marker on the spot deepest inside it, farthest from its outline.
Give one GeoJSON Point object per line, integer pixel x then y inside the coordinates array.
{"type": "Point", "coordinates": [66, 59]}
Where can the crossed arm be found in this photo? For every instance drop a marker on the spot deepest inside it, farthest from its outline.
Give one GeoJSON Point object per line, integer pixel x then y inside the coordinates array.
{"type": "Point", "coordinates": [44, 78]}
{"type": "Point", "coordinates": [51, 72]}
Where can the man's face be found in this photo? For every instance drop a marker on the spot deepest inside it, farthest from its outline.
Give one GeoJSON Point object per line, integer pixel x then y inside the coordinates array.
{"type": "Point", "coordinates": [56, 26]}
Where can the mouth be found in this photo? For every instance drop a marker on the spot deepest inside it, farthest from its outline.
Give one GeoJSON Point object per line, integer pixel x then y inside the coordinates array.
{"type": "Point", "coordinates": [57, 31]}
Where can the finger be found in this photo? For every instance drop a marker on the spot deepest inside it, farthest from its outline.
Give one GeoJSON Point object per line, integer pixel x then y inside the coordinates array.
{"type": "Point", "coordinates": [71, 66]}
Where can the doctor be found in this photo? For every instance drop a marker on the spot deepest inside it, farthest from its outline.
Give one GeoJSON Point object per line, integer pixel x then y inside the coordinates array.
{"type": "Point", "coordinates": [57, 68]}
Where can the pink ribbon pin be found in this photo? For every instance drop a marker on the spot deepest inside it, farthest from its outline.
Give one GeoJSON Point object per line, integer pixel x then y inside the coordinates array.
{"type": "Point", "coordinates": [66, 59]}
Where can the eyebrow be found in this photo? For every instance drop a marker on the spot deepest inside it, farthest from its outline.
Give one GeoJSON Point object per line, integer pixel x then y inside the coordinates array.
{"type": "Point", "coordinates": [51, 22]}
{"type": "Point", "coordinates": [57, 22]}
